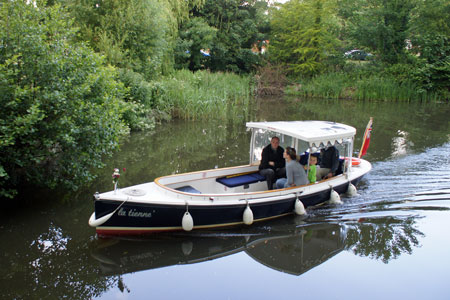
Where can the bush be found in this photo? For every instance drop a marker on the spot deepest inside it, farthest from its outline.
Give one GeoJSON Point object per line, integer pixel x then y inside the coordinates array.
{"type": "Point", "coordinates": [142, 100]}
{"type": "Point", "coordinates": [61, 107]}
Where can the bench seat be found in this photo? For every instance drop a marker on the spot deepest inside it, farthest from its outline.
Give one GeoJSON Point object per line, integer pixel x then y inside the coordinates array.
{"type": "Point", "coordinates": [238, 180]}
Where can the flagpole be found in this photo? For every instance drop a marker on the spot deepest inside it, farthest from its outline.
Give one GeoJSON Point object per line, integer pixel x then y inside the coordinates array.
{"type": "Point", "coordinates": [366, 133]}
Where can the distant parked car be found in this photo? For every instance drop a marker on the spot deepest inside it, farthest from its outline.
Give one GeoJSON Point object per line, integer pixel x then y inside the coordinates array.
{"type": "Point", "coordinates": [358, 54]}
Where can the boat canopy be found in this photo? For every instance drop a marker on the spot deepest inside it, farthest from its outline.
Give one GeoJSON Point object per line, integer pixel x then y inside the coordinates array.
{"type": "Point", "coordinates": [315, 133]}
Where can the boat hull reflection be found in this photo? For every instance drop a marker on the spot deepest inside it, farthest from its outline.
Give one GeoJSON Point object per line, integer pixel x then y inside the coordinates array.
{"type": "Point", "coordinates": [291, 247]}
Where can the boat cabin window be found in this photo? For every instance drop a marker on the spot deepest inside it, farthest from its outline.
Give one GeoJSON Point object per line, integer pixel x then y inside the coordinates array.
{"type": "Point", "coordinates": [262, 138]}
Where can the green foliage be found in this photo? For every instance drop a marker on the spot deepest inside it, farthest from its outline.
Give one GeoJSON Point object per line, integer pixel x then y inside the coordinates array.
{"type": "Point", "coordinates": [194, 35]}
{"type": "Point", "coordinates": [203, 94]}
{"type": "Point", "coordinates": [379, 25]}
{"type": "Point", "coordinates": [135, 34]}
{"type": "Point", "coordinates": [181, 8]}
{"type": "Point", "coordinates": [61, 107]}
{"type": "Point", "coordinates": [144, 106]}
{"type": "Point", "coordinates": [328, 85]}
{"type": "Point", "coordinates": [430, 41]}
{"type": "Point", "coordinates": [341, 85]}
{"type": "Point", "coordinates": [304, 36]}
{"type": "Point", "coordinates": [240, 24]}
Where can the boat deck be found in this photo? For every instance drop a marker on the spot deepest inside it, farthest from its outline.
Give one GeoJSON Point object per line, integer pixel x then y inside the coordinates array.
{"type": "Point", "coordinates": [227, 184]}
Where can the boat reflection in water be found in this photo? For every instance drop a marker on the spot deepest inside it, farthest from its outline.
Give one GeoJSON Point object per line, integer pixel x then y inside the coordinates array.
{"type": "Point", "coordinates": [289, 248]}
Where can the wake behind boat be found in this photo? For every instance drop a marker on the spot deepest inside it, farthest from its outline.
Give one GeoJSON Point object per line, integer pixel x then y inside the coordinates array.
{"type": "Point", "coordinates": [231, 196]}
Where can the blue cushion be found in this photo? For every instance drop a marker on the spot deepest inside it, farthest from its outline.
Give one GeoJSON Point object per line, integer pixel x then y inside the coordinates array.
{"type": "Point", "coordinates": [233, 181]}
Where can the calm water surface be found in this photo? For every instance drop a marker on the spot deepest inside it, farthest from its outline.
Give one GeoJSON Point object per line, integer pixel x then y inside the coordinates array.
{"type": "Point", "coordinates": [390, 241]}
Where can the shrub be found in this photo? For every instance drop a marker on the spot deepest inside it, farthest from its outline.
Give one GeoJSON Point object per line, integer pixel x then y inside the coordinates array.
{"type": "Point", "coordinates": [61, 107]}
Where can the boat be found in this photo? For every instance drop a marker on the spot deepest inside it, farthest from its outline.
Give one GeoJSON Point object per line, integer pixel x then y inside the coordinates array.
{"type": "Point", "coordinates": [231, 196]}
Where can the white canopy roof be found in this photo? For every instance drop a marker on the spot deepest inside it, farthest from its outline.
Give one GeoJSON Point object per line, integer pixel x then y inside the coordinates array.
{"type": "Point", "coordinates": [313, 132]}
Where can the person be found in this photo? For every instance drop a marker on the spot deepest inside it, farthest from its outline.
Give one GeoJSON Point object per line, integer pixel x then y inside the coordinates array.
{"type": "Point", "coordinates": [272, 164]}
{"type": "Point", "coordinates": [312, 168]}
{"type": "Point", "coordinates": [329, 163]}
{"type": "Point", "coordinates": [295, 175]}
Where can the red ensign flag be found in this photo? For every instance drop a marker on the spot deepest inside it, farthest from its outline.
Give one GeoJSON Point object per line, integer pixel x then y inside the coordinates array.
{"type": "Point", "coordinates": [366, 139]}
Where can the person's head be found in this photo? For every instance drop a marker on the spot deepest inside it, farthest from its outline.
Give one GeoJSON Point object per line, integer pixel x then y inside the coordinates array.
{"type": "Point", "coordinates": [290, 152]}
{"type": "Point", "coordinates": [275, 142]}
{"type": "Point", "coordinates": [313, 160]}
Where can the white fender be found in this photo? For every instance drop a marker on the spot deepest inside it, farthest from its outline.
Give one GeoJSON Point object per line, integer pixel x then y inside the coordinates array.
{"type": "Point", "coordinates": [299, 207]}
{"type": "Point", "coordinates": [187, 222]}
{"type": "Point", "coordinates": [335, 198]}
{"type": "Point", "coordinates": [248, 215]}
{"type": "Point", "coordinates": [351, 190]}
{"type": "Point", "coordinates": [93, 222]}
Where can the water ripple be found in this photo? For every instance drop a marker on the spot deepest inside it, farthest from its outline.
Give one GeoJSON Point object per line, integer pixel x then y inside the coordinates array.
{"type": "Point", "coordinates": [398, 187]}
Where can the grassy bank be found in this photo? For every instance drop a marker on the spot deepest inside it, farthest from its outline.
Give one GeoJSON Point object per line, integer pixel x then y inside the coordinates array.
{"type": "Point", "coordinates": [370, 87]}
{"type": "Point", "coordinates": [203, 94]}
{"type": "Point", "coordinates": [184, 94]}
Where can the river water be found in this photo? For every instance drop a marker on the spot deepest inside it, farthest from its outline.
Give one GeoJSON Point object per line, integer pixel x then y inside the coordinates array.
{"type": "Point", "coordinates": [390, 241]}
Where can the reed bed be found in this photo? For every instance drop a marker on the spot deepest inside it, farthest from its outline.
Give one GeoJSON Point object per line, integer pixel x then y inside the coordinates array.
{"type": "Point", "coordinates": [203, 94]}
{"type": "Point", "coordinates": [372, 87]}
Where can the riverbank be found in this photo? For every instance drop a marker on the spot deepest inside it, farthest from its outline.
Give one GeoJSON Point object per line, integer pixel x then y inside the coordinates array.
{"type": "Point", "coordinates": [355, 80]}
{"type": "Point", "coordinates": [341, 85]}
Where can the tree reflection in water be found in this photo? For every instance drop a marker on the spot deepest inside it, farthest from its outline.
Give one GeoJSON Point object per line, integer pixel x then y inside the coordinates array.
{"type": "Point", "coordinates": [49, 266]}
{"type": "Point", "coordinates": [383, 238]}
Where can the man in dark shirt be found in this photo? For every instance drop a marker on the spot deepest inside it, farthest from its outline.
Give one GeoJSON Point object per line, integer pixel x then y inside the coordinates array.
{"type": "Point", "coordinates": [329, 163]}
{"type": "Point", "coordinates": [272, 164]}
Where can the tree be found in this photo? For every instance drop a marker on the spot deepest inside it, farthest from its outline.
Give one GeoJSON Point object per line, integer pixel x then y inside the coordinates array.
{"type": "Point", "coordinates": [430, 42]}
{"type": "Point", "coordinates": [381, 25]}
{"type": "Point", "coordinates": [136, 34]}
{"type": "Point", "coordinates": [181, 8]}
{"type": "Point", "coordinates": [240, 24]}
{"type": "Point", "coordinates": [304, 35]}
{"type": "Point", "coordinates": [61, 107]}
{"type": "Point", "coordinates": [194, 35]}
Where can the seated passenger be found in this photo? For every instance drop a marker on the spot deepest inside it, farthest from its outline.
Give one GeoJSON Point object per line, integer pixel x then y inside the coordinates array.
{"type": "Point", "coordinates": [312, 168]}
{"type": "Point", "coordinates": [294, 172]}
{"type": "Point", "coordinates": [272, 164]}
{"type": "Point", "coordinates": [329, 163]}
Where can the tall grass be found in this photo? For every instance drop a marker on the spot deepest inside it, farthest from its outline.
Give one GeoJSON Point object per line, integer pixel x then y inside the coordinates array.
{"type": "Point", "coordinates": [371, 87]}
{"type": "Point", "coordinates": [202, 94]}
{"type": "Point", "coordinates": [330, 86]}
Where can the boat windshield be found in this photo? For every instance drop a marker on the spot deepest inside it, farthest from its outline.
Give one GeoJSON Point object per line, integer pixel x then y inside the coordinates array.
{"type": "Point", "coordinates": [261, 138]}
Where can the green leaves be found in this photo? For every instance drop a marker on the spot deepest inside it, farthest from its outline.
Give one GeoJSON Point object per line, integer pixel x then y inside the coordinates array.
{"type": "Point", "coordinates": [304, 35]}
{"type": "Point", "coordinates": [61, 107]}
{"type": "Point", "coordinates": [381, 26]}
{"type": "Point", "coordinates": [240, 25]}
{"type": "Point", "coordinates": [136, 34]}
{"type": "Point", "coordinates": [195, 35]}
